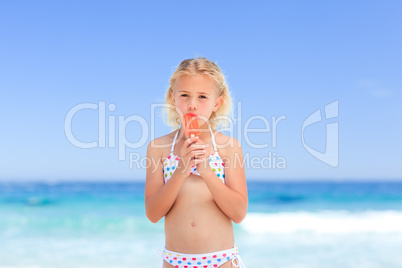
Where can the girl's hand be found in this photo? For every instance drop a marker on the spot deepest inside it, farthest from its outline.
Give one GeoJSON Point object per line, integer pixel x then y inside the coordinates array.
{"type": "Point", "coordinates": [191, 154]}
{"type": "Point", "coordinates": [203, 163]}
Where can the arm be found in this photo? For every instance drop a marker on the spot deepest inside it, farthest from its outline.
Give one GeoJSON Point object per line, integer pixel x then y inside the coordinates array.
{"type": "Point", "coordinates": [159, 198]}
{"type": "Point", "coordinates": [231, 198]}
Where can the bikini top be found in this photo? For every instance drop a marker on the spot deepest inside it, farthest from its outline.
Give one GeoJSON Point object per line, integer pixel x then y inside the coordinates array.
{"type": "Point", "coordinates": [215, 162]}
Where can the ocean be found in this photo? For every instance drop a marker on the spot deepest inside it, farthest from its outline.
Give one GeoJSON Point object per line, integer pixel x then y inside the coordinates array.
{"type": "Point", "coordinates": [288, 225]}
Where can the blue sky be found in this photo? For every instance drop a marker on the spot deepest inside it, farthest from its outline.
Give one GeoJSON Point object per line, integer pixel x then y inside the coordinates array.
{"type": "Point", "coordinates": [280, 58]}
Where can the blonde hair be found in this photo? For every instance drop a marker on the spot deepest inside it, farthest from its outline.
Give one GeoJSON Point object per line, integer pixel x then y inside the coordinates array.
{"type": "Point", "coordinates": [195, 66]}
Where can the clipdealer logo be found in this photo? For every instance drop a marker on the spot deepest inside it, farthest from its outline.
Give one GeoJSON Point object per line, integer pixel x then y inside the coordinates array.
{"type": "Point", "coordinates": [108, 126]}
{"type": "Point", "coordinates": [331, 154]}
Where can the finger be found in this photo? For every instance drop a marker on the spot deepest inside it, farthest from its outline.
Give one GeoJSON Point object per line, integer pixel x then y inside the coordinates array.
{"type": "Point", "coordinates": [199, 153]}
{"type": "Point", "coordinates": [197, 161]}
{"type": "Point", "coordinates": [196, 153]}
{"type": "Point", "coordinates": [191, 140]}
{"type": "Point", "coordinates": [196, 146]}
{"type": "Point", "coordinates": [196, 157]}
{"type": "Point", "coordinates": [192, 154]}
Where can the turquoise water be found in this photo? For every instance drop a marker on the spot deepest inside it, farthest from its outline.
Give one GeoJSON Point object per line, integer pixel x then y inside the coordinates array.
{"type": "Point", "coordinates": [308, 224]}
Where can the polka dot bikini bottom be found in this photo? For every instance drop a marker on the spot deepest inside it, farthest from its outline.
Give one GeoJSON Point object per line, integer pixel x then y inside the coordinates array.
{"type": "Point", "coordinates": [207, 260]}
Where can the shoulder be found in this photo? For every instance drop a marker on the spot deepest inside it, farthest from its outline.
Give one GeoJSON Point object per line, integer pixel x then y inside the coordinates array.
{"type": "Point", "coordinates": [226, 145]}
{"type": "Point", "coordinates": [158, 146]}
{"type": "Point", "coordinates": [222, 140]}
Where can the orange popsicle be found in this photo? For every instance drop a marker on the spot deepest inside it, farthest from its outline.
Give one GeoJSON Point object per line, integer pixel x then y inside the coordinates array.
{"type": "Point", "coordinates": [191, 125]}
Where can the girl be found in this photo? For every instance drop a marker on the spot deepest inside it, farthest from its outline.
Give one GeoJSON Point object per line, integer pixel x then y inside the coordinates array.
{"type": "Point", "coordinates": [199, 189]}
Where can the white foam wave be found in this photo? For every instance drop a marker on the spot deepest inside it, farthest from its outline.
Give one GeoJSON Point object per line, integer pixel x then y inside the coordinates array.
{"type": "Point", "coordinates": [324, 222]}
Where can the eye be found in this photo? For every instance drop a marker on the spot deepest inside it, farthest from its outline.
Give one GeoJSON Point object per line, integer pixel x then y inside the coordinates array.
{"type": "Point", "coordinates": [184, 95]}
{"type": "Point", "coordinates": [203, 97]}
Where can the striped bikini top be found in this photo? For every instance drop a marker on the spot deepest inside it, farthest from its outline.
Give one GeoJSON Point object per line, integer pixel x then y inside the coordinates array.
{"type": "Point", "coordinates": [215, 162]}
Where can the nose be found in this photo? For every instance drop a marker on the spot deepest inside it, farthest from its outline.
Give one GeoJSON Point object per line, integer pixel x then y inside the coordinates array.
{"type": "Point", "coordinates": [192, 104]}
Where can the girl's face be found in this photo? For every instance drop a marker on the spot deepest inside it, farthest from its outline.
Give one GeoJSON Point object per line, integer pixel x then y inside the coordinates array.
{"type": "Point", "coordinates": [196, 94]}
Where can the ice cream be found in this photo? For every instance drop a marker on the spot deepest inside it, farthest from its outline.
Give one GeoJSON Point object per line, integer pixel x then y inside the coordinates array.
{"type": "Point", "coordinates": [191, 125]}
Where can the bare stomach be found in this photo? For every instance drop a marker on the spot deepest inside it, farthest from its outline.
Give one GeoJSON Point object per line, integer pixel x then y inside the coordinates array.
{"type": "Point", "coordinates": [195, 224]}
